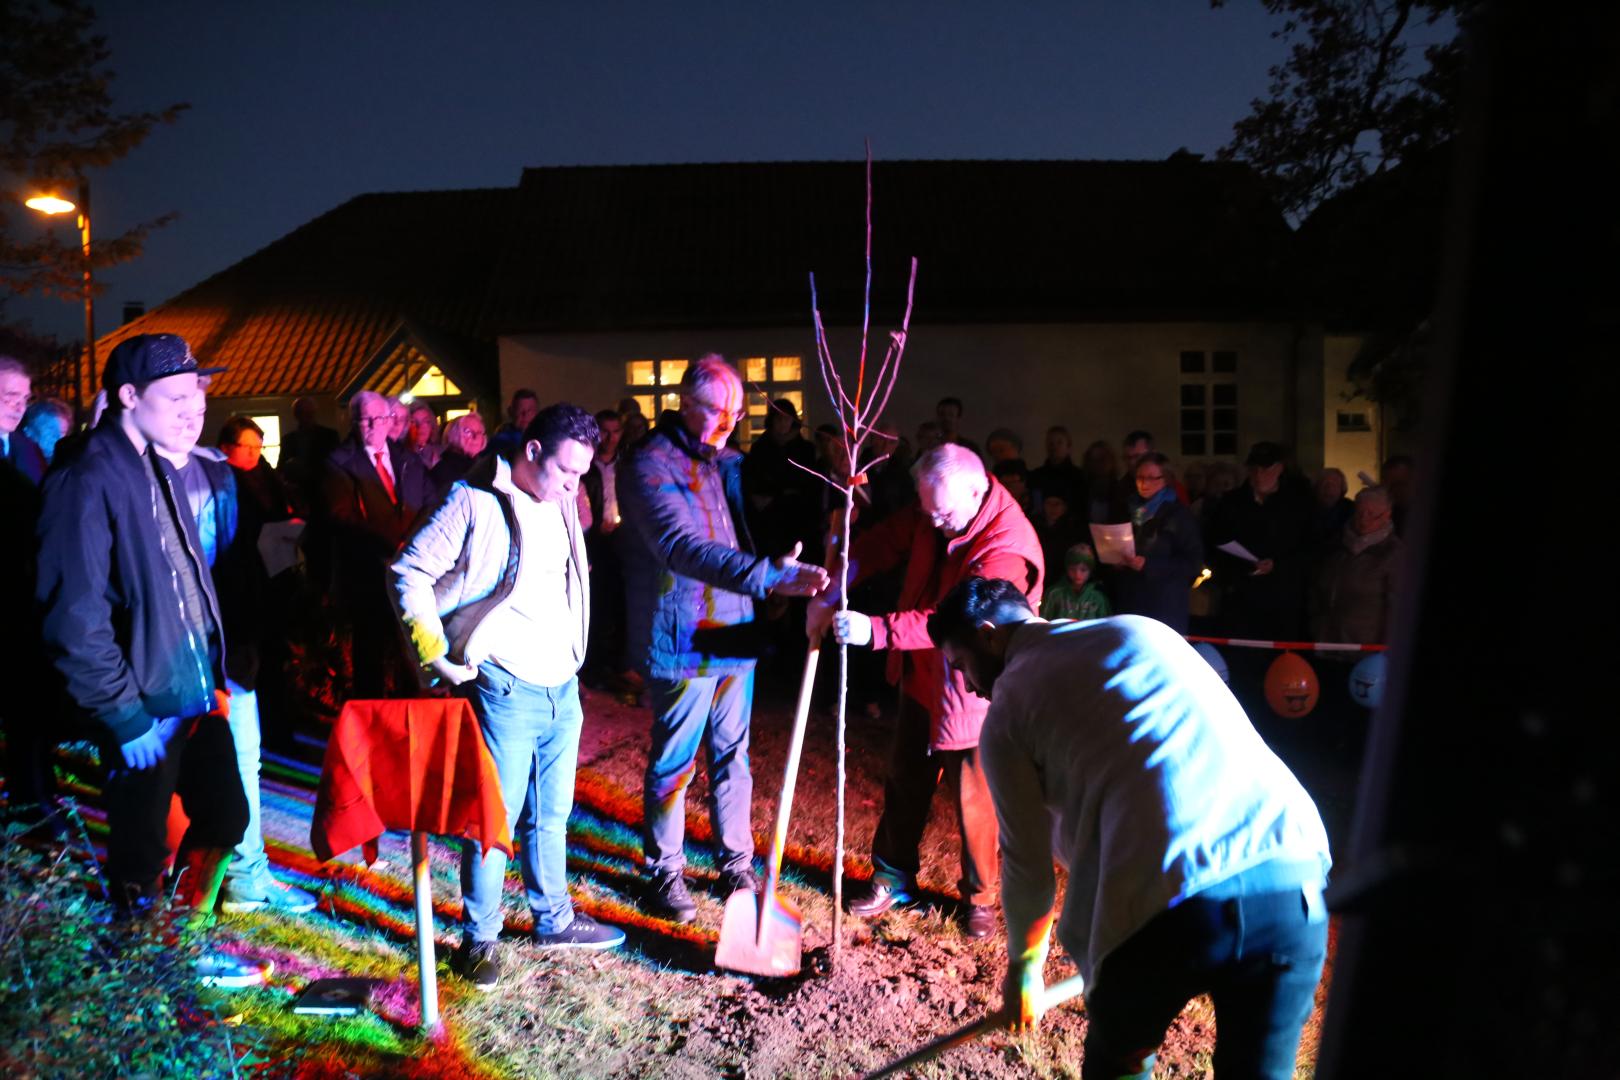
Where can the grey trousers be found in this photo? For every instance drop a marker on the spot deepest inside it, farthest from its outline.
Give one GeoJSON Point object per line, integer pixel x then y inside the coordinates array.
{"type": "Point", "coordinates": [713, 712]}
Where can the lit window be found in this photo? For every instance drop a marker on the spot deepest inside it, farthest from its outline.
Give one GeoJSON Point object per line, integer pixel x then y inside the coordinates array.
{"type": "Point", "coordinates": [433, 383]}
{"type": "Point", "coordinates": [672, 401]}
{"type": "Point", "coordinates": [785, 369]}
{"type": "Point", "coordinates": [648, 405]}
{"type": "Point", "coordinates": [272, 436]}
{"type": "Point", "coordinates": [641, 373]}
{"type": "Point", "coordinates": [797, 397]}
{"type": "Point", "coordinates": [670, 372]}
{"type": "Point", "coordinates": [451, 414]}
{"type": "Point", "coordinates": [754, 370]}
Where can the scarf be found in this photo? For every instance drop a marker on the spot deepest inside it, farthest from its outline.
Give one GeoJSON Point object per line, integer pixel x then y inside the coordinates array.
{"type": "Point", "coordinates": [1142, 512]}
{"type": "Point", "coordinates": [1356, 543]}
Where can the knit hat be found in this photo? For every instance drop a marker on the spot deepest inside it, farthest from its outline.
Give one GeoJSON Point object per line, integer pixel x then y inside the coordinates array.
{"type": "Point", "coordinates": [1081, 554]}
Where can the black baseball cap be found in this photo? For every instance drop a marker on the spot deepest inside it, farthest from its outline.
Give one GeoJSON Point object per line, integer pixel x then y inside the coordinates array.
{"type": "Point", "coordinates": [1264, 455]}
{"type": "Point", "coordinates": [146, 358]}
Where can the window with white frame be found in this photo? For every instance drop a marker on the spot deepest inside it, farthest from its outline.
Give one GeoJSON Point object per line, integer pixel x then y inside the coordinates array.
{"type": "Point", "coordinates": [653, 384]}
{"type": "Point", "coordinates": [1209, 404]}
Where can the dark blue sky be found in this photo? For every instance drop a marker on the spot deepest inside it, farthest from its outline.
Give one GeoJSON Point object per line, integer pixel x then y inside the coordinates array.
{"type": "Point", "coordinates": [298, 106]}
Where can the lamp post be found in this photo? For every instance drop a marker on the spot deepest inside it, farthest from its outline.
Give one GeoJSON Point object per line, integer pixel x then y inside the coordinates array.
{"type": "Point", "coordinates": [54, 204]}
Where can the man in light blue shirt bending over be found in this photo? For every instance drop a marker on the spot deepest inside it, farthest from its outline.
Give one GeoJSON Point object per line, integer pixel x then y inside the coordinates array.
{"type": "Point", "coordinates": [1196, 860]}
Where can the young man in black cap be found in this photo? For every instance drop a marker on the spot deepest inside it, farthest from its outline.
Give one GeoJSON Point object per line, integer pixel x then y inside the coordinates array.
{"type": "Point", "coordinates": [132, 624]}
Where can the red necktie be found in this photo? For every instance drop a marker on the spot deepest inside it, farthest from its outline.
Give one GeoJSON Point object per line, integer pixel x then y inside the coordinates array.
{"type": "Point", "coordinates": [386, 476]}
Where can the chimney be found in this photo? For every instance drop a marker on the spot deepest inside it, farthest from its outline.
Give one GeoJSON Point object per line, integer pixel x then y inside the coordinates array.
{"type": "Point", "coordinates": [133, 309]}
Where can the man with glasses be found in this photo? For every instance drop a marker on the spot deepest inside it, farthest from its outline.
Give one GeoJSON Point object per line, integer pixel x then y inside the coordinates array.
{"type": "Point", "coordinates": [22, 468]}
{"type": "Point", "coordinates": [965, 523]}
{"type": "Point", "coordinates": [375, 493]}
{"type": "Point", "coordinates": [692, 581]}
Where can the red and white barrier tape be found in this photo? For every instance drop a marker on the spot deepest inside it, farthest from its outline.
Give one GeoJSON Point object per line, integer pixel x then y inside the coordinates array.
{"type": "Point", "coordinates": [1296, 646]}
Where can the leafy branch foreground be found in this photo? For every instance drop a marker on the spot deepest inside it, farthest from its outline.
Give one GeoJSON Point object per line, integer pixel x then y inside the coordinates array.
{"type": "Point", "coordinates": [85, 994]}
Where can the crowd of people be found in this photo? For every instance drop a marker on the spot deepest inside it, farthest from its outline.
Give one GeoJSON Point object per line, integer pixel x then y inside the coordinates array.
{"type": "Point", "coordinates": [653, 556]}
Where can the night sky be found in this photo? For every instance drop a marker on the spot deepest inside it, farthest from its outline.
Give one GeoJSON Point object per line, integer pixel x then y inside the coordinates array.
{"type": "Point", "coordinates": [297, 107]}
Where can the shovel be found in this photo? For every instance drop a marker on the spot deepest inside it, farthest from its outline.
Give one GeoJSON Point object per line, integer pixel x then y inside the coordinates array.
{"type": "Point", "coordinates": [762, 935]}
{"type": "Point", "coordinates": [1053, 995]}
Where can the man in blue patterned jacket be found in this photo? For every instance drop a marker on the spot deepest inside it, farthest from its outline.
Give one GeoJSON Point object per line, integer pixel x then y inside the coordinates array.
{"type": "Point", "coordinates": [692, 593]}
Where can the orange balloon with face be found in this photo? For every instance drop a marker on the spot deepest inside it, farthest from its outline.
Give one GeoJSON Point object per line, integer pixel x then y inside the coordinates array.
{"type": "Point", "coordinates": [1291, 686]}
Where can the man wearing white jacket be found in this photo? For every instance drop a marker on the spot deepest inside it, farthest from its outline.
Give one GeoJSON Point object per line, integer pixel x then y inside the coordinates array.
{"type": "Point", "coordinates": [1196, 860]}
{"type": "Point", "coordinates": [494, 592]}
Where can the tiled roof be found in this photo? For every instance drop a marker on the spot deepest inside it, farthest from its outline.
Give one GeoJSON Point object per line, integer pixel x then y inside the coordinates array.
{"type": "Point", "coordinates": [305, 313]}
{"type": "Point", "coordinates": [615, 246]}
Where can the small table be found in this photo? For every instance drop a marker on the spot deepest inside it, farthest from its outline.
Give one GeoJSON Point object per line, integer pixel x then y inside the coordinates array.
{"type": "Point", "coordinates": [417, 764]}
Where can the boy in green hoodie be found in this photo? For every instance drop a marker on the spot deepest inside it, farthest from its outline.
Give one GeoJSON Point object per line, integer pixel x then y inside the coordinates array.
{"type": "Point", "coordinates": [1079, 597]}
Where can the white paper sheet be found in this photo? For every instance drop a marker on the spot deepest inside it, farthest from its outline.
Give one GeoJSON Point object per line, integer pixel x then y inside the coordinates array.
{"type": "Point", "coordinates": [1235, 548]}
{"type": "Point", "coordinates": [278, 545]}
{"type": "Point", "coordinates": [1115, 543]}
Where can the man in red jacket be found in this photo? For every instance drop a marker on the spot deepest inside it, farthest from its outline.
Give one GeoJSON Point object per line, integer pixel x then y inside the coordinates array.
{"type": "Point", "coordinates": [965, 524]}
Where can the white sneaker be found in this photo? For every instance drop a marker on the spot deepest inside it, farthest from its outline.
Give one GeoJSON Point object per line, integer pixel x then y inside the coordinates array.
{"type": "Point", "coordinates": [273, 895]}
{"type": "Point", "coordinates": [232, 972]}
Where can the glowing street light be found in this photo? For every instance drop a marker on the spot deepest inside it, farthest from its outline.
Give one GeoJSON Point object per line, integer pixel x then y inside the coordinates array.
{"type": "Point", "coordinates": [52, 204]}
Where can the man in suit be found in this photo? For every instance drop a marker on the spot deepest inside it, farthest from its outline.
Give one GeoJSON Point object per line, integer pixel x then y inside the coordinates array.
{"type": "Point", "coordinates": [24, 712]}
{"type": "Point", "coordinates": [375, 492]}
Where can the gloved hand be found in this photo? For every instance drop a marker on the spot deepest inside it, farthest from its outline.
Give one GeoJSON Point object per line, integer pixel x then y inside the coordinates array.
{"type": "Point", "coordinates": [852, 628]}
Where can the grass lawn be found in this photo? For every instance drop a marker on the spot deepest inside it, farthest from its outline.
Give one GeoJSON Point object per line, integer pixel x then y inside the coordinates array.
{"type": "Point", "coordinates": [75, 993]}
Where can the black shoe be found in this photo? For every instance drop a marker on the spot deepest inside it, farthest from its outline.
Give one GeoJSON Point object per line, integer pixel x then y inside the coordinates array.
{"type": "Point", "coordinates": [736, 881]}
{"type": "Point", "coordinates": [978, 920]}
{"type": "Point", "coordinates": [880, 895]}
{"type": "Point", "coordinates": [583, 933]}
{"type": "Point", "coordinates": [667, 898]}
{"type": "Point", "coordinates": [477, 962]}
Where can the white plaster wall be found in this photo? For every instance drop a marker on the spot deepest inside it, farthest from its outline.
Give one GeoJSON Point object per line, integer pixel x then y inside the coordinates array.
{"type": "Point", "coordinates": [1351, 452]}
{"type": "Point", "coordinates": [1099, 380]}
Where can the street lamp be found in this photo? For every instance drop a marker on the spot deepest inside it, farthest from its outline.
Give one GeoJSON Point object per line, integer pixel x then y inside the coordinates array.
{"type": "Point", "coordinates": [53, 204]}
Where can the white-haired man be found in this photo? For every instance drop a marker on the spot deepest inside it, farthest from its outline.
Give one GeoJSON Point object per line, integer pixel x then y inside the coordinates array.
{"type": "Point", "coordinates": [375, 493]}
{"type": "Point", "coordinates": [692, 581]}
{"type": "Point", "coordinates": [965, 523]}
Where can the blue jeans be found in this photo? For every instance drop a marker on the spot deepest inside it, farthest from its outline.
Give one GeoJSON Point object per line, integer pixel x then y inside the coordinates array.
{"type": "Point", "coordinates": [711, 711]}
{"type": "Point", "coordinates": [533, 734]}
{"type": "Point", "coordinates": [1259, 957]}
{"type": "Point", "coordinates": [248, 872]}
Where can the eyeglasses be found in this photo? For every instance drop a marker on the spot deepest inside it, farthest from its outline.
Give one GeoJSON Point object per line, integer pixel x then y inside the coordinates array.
{"type": "Point", "coordinates": [373, 421]}
{"type": "Point", "coordinates": [735, 416]}
{"type": "Point", "coordinates": [1150, 477]}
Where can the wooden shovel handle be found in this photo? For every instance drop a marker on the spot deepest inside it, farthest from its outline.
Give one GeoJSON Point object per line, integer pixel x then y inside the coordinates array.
{"type": "Point", "coordinates": [790, 776]}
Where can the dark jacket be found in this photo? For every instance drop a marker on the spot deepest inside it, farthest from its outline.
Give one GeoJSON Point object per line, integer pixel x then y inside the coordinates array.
{"type": "Point", "coordinates": [1269, 606]}
{"type": "Point", "coordinates": [112, 621]}
{"type": "Point", "coordinates": [1174, 550]}
{"type": "Point", "coordinates": [452, 466]}
{"type": "Point", "coordinates": [240, 580]}
{"type": "Point", "coordinates": [691, 574]}
{"type": "Point", "coordinates": [20, 474]}
{"type": "Point", "coordinates": [1353, 594]}
{"type": "Point", "coordinates": [368, 528]}
{"type": "Point", "coordinates": [1063, 479]}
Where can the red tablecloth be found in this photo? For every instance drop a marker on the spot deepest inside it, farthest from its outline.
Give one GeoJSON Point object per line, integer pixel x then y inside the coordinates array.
{"type": "Point", "coordinates": [419, 765]}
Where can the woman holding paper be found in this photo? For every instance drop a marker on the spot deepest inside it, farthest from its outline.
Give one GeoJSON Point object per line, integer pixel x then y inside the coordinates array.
{"type": "Point", "coordinates": [1156, 581]}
